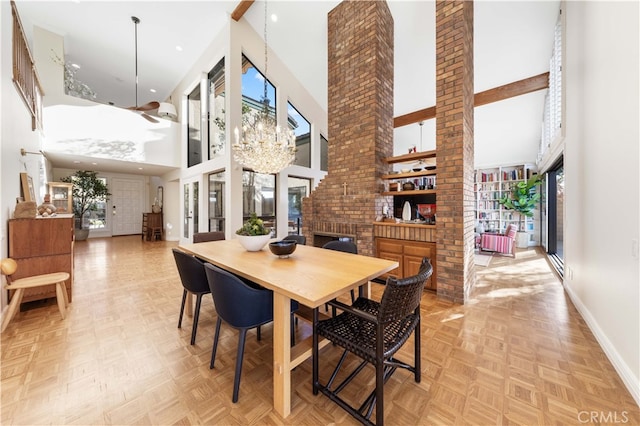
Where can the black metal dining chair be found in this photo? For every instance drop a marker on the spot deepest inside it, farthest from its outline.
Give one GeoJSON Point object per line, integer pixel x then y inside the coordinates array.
{"type": "Point", "coordinates": [194, 280]}
{"type": "Point", "coordinates": [373, 331]}
{"type": "Point", "coordinates": [243, 306]}
{"type": "Point", "coordinates": [344, 246]}
{"type": "Point", "coordinates": [300, 239]}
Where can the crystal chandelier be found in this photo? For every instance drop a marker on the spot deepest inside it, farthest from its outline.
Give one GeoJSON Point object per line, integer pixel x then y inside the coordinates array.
{"type": "Point", "coordinates": [265, 147]}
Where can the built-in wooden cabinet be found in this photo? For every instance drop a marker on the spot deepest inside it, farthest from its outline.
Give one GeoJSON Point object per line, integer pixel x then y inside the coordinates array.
{"type": "Point", "coordinates": [61, 196]}
{"type": "Point", "coordinates": [42, 246]}
{"type": "Point", "coordinates": [409, 255]}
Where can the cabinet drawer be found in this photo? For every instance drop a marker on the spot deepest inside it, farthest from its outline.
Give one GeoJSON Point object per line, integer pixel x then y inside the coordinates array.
{"type": "Point", "coordinates": [389, 246]}
{"type": "Point", "coordinates": [414, 249]}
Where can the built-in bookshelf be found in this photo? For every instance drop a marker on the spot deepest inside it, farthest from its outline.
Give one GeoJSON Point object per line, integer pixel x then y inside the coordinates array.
{"type": "Point", "coordinates": [493, 183]}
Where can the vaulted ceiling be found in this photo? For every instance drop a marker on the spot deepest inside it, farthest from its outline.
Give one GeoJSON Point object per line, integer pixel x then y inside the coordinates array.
{"type": "Point", "coordinates": [512, 41]}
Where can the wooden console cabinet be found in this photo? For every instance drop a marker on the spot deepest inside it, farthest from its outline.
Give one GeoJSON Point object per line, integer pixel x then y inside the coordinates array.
{"type": "Point", "coordinates": [409, 256]}
{"type": "Point", "coordinates": [42, 246]}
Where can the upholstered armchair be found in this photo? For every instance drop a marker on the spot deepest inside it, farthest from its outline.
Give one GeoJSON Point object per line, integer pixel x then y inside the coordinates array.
{"type": "Point", "coordinates": [500, 243]}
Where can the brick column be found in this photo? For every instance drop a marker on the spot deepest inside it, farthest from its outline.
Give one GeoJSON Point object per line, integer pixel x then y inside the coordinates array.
{"type": "Point", "coordinates": [360, 113]}
{"type": "Point", "coordinates": [454, 148]}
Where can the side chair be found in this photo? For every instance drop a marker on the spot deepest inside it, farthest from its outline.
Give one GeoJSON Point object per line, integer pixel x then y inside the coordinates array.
{"type": "Point", "coordinates": [194, 281]}
{"type": "Point", "coordinates": [201, 237]}
{"type": "Point", "coordinates": [344, 246]}
{"type": "Point", "coordinates": [300, 239]}
{"type": "Point", "coordinates": [243, 307]}
{"type": "Point", "coordinates": [374, 332]}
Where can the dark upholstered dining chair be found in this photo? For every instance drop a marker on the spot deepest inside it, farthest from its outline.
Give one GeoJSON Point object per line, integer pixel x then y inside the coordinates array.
{"type": "Point", "coordinates": [242, 306]}
{"type": "Point", "coordinates": [300, 239]}
{"type": "Point", "coordinates": [373, 331]}
{"type": "Point", "coordinates": [201, 237]}
{"type": "Point", "coordinates": [194, 280]}
{"type": "Point", "coordinates": [344, 246]}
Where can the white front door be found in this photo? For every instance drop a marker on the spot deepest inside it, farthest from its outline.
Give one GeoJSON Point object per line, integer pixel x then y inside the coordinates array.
{"type": "Point", "coordinates": [127, 200]}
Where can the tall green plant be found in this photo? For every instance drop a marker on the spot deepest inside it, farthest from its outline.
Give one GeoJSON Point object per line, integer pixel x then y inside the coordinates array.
{"type": "Point", "coordinates": [87, 191]}
{"type": "Point", "coordinates": [523, 198]}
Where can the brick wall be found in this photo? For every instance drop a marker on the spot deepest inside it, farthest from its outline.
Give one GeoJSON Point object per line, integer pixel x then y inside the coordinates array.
{"type": "Point", "coordinates": [360, 111]}
{"type": "Point", "coordinates": [454, 148]}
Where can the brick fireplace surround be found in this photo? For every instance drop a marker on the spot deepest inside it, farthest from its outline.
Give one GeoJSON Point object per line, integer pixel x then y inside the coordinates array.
{"type": "Point", "coordinates": [360, 112]}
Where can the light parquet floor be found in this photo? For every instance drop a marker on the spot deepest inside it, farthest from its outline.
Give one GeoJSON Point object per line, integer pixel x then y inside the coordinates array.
{"type": "Point", "coordinates": [517, 353]}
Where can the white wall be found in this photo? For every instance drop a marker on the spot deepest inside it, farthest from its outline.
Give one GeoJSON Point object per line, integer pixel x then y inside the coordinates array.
{"type": "Point", "coordinates": [15, 133]}
{"type": "Point", "coordinates": [602, 182]}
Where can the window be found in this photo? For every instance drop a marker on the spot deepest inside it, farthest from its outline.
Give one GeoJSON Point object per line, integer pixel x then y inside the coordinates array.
{"type": "Point", "coordinates": [194, 140]}
{"type": "Point", "coordinates": [254, 100]}
{"type": "Point", "coordinates": [298, 189]}
{"type": "Point", "coordinates": [97, 219]}
{"type": "Point", "coordinates": [258, 195]}
{"type": "Point", "coordinates": [552, 116]}
{"type": "Point", "coordinates": [324, 154]}
{"type": "Point", "coordinates": [217, 120]}
{"type": "Point", "coordinates": [302, 129]}
{"type": "Point", "coordinates": [216, 201]}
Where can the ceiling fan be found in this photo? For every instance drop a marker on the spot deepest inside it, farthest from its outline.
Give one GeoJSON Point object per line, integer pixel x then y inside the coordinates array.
{"type": "Point", "coordinates": [149, 106]}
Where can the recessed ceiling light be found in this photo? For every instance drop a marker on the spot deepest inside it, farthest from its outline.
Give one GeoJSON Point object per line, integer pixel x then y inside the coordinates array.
{"type": "Point", "coordinates": [152, 90]}
{"type": "Point", "coordinates": [95, 164]}
{"type": "Point", "coordinates": [179, 48]}
{"type": "Point", "coordinates": [76, 66]}
{"type": "Point", "coordinates": [76, 162]}
{"type": "Point", "coordinates": [274, 17]}
{"type": "Point", "coordinates": [139, 168]}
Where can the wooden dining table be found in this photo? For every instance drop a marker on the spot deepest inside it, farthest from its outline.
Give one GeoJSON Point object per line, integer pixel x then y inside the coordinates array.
{"type": "Point", "coordinates": [311, 275]}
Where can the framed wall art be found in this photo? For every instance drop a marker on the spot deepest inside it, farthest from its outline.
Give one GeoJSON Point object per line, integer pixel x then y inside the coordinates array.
{"type": "Point", "coordinates": [28, 191]}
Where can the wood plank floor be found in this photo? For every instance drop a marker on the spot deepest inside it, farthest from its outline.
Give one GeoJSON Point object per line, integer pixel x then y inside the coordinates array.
{"type": "Point", "coordinates": [517, 353]}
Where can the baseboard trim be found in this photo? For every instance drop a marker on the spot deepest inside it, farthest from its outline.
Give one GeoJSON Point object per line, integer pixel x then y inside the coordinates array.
{"type": "Point", "coordinates": [630, 381]}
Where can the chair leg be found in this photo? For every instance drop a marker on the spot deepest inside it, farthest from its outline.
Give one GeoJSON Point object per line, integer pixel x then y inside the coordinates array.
{"type": "Point", "coordinates": [196, 315]}
{"type": "Point", "coordinates": [236, 380]}
{"type": "Point", "coordinates": [259, 335]}
{"type": "Point", "coordinates": [416, 363]}
{"type": "Point", "coordinates": [184, 299]}
{"type": "Point", "coordinates": [14, 306]}
{"type": "Point", "coordinates": [379, 392]}
{"type": "Point", "coordinates": [215, 343]}
{"type": "Point", "coordinates": [60, 290]}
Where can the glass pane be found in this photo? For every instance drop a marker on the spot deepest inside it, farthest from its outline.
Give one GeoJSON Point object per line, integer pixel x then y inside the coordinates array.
{"type": "Point", "coordinates": [194, 141]}
{"type": "Point", "coordinates": [217, 120]}
{"type": "Point", "coordinates": [324, 153]}
{"type": "Point", "coordinates": [195, 206]}
{"type": "Point", "coordinates": [253, 96]}
{"type": "Point", "coordinates": [302, 129]}
{"type": "Point", "coordinates": [298, 189]}
{"type": "Point", "coordinates": [185, 204]}
{"type": "Point", "coordinates": [258, 195]}
{"type": "Point", "coordinates": [97, 219]}
{"type": "Point", "coordinates": [560, 213]}
{"type": "Point", "coordinates": [216, 201]}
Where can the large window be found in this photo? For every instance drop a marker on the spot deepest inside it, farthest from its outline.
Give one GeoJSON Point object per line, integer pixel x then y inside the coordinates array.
{"type": "Point", "coordinates": [253, 96]}
{"type": "Point", "coordinates": [258, 195]}
{"type": "Point", "coordinates": [217, 120]}
{"type": "Point", "coordinates": [194, 140]}
{"type": "Point", "coordinates": [216, 201]}
{"type": "Point", "coordinates": [302, 129]}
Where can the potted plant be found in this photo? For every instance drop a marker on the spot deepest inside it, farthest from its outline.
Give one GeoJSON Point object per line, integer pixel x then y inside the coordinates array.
{"type": "Point", "coordinates": [253, 235]}
{"type": "Point", "coordinates": [523, 199]}
{"type": "Point", "coordinates": [87, 191]}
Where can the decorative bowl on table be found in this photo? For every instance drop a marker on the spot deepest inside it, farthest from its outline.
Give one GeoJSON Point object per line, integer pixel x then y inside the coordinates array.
{"type": "Point", "coordinates": [283, 248]}
{"type": "Point", "coordinates": [253, 242]}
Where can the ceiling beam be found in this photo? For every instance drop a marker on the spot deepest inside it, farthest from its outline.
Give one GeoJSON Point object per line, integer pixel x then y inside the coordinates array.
{"type": "Point", "coordinates": [241, 8]}
{"type": "Point", "coordinates": [517, 88]}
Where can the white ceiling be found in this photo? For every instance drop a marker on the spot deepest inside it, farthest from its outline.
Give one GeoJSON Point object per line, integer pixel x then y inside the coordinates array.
{"type": "Point", "coordinates": [513, 40]}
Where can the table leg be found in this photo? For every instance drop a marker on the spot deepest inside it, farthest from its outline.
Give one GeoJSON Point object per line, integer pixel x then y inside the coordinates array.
{"type": "Point", "coordinates": [282, 354]}
{"type": "Point", "coordinates": [189, 304]}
